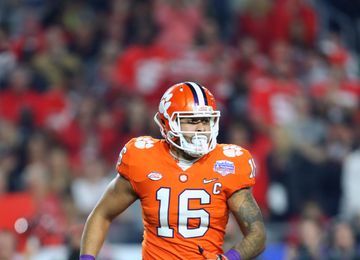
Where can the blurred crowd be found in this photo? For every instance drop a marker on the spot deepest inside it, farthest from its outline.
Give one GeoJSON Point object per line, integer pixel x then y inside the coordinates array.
{"type": "Point", "coordinates": [78, 79]}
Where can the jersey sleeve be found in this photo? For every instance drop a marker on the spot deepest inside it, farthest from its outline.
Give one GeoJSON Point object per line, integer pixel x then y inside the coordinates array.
{"type": "Point", "coordinates": [124, 162]}
{"type": "Point", "coordinates": [133, 159]}
{"type": "Point", "coordinates": [244, 176]}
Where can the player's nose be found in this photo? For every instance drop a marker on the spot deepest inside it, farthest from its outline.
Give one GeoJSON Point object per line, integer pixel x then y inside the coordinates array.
{"type": "Point", "coordinates": [202, 127]}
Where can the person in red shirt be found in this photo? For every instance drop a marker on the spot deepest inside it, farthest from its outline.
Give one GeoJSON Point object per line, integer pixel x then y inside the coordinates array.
{"type": "Point", "coordinates": [19, 100]}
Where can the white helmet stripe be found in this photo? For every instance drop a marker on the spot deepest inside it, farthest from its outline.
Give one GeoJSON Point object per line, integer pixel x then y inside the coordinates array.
{"type": "Point", "coordinates": [199, 93]}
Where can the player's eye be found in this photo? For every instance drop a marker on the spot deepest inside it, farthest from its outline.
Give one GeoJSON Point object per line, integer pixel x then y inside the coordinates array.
{"type": "Point", "coordinates": [203, 120]}
{"type": "Point", "coordinates": [195, 120]}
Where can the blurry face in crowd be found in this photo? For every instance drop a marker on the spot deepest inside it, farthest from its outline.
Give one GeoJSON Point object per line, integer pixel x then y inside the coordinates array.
{"type": "Point", "coordinates": [343, 236]}
{"type": "Point", "coordinates": [7, 245]}
{"type": "Point", "coordinates": [20, 80]}
{"type": "Point", "coordinates": [310, 233]}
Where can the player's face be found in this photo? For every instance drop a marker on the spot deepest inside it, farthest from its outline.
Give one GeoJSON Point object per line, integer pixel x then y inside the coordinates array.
{"type": "Point", "coordinates": [195, 124]}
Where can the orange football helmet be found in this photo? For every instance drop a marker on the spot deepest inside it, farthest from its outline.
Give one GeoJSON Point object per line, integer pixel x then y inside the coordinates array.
{"type": "Point", "coordinates": [188, 100]}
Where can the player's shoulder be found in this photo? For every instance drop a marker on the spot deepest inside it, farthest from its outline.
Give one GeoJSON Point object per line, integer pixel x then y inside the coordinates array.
{"type": "Point", "coordinates": [235, 164]}
{"type": "Point", "coordinates": [231, 151]}
{"type": "Point", "coordinates": [136, 153]}
{"type": "Point", "coordinates": [139, 147]}
{"type": "Point", "coordinates": [142, 143]}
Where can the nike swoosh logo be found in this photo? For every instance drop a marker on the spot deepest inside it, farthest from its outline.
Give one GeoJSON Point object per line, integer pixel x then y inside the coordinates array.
{"type": "Point", "coordinates": [206, 181]}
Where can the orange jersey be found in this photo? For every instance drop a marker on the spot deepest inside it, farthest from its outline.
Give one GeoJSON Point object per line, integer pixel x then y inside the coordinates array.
{"type": "Point", "coordinates": [184, 208]}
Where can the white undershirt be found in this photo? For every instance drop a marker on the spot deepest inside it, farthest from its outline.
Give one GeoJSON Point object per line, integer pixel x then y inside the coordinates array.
{"type": "Point", "coordinates": [183, 163]}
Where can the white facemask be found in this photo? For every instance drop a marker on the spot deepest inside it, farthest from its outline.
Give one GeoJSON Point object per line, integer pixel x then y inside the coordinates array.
{"type": "Point", "coordinates": [198, 146]}
{"type": "Point", "coordinates": [201, 143]}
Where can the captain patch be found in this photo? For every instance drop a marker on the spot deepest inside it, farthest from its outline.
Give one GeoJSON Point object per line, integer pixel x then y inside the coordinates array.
{"type": "Point", "coordinates": [224, 167]}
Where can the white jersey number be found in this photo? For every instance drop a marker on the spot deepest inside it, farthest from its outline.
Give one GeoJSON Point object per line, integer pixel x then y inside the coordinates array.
{"type": "Point", "coordinates": [164, 229]}
{"type": "Point", "coordinates": [253, 168]}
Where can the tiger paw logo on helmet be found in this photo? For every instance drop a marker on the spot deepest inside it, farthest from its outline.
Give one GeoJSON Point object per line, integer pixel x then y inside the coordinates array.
{"type": "Point", "coordinates": [144, 142]}
{"type": "Point", "coordinates": [232, 150]}
{"type": "Point", "coordinates": [165, 103]}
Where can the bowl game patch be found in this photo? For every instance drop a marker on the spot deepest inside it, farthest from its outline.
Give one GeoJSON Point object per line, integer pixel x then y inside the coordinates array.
{"type": "Point", "coordinates": [224, 167]}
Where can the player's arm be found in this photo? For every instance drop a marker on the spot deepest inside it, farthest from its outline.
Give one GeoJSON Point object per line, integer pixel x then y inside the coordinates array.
{"type": "Point", "coordinates": [248, 215]}
{"type": "Point", "coordinates": [118, 196]}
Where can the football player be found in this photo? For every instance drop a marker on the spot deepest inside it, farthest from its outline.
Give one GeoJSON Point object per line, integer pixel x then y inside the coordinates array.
{"type": "Point", "coordinates": [187, 184]}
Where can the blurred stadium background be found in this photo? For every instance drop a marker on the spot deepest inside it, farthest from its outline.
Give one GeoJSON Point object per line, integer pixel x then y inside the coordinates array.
{"type": "Point", "coordinates": [79, 78]}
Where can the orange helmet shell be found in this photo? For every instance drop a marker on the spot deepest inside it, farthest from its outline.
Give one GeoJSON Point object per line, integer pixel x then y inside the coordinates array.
{"type": "Point", "coordinates": [185, 97]}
